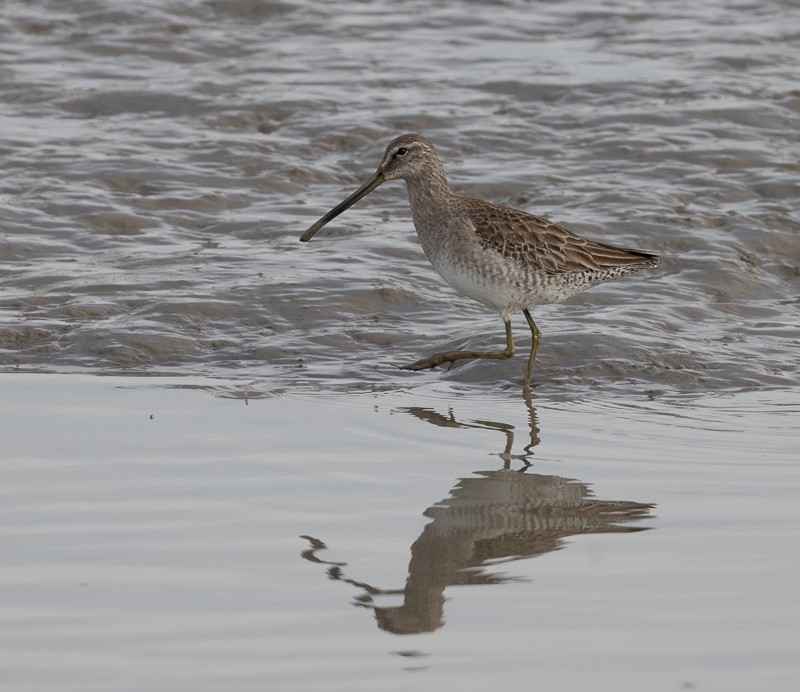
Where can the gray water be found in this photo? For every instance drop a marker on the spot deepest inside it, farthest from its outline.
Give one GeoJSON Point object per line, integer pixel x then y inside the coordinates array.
{"type": "Point", "coordinates": [160, 161]}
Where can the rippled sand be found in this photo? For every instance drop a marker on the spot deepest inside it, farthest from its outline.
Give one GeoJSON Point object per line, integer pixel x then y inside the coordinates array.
{"type": "Point", "coordinates": [160, 165]}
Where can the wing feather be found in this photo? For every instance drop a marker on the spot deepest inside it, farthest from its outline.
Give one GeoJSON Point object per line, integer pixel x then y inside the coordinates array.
{"type": "Point", "coordinates": [537, 243]}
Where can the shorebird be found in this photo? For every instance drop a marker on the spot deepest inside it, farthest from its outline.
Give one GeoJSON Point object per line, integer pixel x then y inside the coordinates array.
{"type": "Point", "coordinates": [506, 259]}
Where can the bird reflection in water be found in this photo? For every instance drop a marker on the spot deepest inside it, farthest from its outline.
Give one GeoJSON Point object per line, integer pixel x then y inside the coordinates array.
{"type": "Point", "coordinates": [491, 517]}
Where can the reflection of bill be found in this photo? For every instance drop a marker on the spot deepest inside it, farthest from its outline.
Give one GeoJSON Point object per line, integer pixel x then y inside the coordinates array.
{"type": "Point", "coordinates": [491, 517]}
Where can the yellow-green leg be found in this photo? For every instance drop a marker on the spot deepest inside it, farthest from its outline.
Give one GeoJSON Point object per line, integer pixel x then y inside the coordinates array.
{"type": "Point", "coordinates": [535, 341]}
{"type": "Point", "coordinates": [452, 356]}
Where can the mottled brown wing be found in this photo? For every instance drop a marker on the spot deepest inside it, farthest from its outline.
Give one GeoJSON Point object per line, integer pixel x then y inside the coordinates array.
{"type": "Point", "coordinates": [541, 244]}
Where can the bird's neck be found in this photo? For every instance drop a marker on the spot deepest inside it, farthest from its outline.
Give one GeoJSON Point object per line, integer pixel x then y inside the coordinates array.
{"type": "Point", "coordinates": [428, 193]}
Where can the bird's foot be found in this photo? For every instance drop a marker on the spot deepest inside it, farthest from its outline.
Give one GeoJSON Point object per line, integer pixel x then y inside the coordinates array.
{"type": "Point", "coordinates": [438, 359]}
{"type": "Point", "coordinates": [452, 356]}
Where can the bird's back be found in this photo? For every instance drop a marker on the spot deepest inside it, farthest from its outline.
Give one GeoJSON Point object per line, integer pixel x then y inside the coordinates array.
{"type": "Point", "coordinates": [541, 245]}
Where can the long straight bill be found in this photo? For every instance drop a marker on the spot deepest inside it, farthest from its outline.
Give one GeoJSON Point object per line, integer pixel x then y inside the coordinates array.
{"type": "Point", "coordinates": [375, 180]}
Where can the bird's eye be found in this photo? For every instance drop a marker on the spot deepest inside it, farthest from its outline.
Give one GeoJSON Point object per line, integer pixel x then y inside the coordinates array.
{"type": "Point", "coordinates": [402, 151]}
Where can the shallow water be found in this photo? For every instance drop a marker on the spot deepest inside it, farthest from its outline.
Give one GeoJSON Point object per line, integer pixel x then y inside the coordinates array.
{"type": "Point", "coordinates": [155, 536]}
{"type": "Point", "coordinates": [160, 162]}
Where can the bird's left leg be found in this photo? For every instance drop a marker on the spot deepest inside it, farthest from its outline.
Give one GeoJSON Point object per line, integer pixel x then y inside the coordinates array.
{"type": "Point", "coordinates": [452, 356]}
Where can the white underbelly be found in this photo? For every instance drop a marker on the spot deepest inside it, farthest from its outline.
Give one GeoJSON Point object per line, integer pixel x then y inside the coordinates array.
{"type": "Point", "coordinates": [501, 293]}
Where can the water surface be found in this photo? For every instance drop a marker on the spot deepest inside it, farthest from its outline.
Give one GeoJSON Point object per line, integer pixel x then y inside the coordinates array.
{"type": "Point", "coordinates": [156, 535]}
